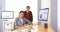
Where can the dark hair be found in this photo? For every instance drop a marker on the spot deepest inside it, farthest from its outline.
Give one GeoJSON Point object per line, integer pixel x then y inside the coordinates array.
{"type": "Point", "coordinates": [28, 7]}
{"type": "Point", "coordinates": [21, 12]}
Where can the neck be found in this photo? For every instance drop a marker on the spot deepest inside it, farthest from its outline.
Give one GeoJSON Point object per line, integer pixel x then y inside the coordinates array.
{"type": "Point", "coordinates": [20, 17]}
{"type": "Point", "coordinates": [27, 11]}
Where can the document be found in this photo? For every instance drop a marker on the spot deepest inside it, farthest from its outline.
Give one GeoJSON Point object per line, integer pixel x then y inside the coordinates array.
{"type": "Point", "coordinates": [28, 30]}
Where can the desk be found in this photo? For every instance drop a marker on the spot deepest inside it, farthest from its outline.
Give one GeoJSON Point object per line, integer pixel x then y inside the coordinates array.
{"type": "Point", "coordinates": [39, 28]}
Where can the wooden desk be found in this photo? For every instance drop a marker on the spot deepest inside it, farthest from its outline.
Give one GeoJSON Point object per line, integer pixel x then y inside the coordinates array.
{"type": "Point", "coordinates": [39, 28]}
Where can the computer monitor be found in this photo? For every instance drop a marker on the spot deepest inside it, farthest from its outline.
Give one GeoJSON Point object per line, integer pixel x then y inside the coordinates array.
{"type": "Point", "coordinates": [43, 14]}
{"type": "Point", "coordinates": [7, 14]}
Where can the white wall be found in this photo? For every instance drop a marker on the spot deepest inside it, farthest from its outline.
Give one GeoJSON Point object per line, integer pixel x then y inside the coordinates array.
{"type": "Point", "coordinates": [58, 14]}
{"type": "Point", "coordinates": [18, 5]}
{"type": "Point", "coordinates": [46, 4]}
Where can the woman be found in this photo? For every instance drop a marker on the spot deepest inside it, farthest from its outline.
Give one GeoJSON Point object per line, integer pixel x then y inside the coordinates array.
{"type": "Point", "coordinates": [28, 14]}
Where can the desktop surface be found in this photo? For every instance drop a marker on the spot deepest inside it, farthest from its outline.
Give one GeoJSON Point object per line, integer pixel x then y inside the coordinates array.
{"type": "Point", "coordinates": [38, 28]}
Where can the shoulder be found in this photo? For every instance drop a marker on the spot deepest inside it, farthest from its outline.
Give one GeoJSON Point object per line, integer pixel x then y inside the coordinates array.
{"type": "Point", "coordinates": [30, 11]}
{"type": "Point", "coordinates": [17, 18]}
{"type": "Point", "coordinates": [24, 11]}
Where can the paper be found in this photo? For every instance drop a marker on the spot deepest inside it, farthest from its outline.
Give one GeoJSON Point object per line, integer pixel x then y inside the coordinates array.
{"type": "Point", "coordinates": [27, 30]}
{"type": "Point", "coordinates": [33, 30]}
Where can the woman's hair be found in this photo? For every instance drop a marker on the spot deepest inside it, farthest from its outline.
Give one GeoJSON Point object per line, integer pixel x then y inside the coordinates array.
{"type": "Point", "coordinates": [21, 12]}
{"type": "Point", "coordinates": [28, 7]}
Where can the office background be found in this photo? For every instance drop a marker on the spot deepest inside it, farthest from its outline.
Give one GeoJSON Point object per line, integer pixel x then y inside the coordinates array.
{"type": "Point", "coordinates": [58, 15]}
{"type": "Point", "coordinates": [17, 5]}
{"type": "Point", "coordinates": [2, 7]}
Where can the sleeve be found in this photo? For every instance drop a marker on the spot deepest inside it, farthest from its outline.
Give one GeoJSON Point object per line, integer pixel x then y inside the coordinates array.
{"type": "Point", "coordinates": [15, 22]}
{"type": "Point", "coordinates": [28, 22]}
{"type": "Point", "coordinates": [31, 16]}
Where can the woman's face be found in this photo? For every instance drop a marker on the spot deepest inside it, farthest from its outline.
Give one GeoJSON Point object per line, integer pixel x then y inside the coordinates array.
{"type": "Point", "coordinates": [27, 9]}
{"type": "Point", "coordinates": [21, 15]}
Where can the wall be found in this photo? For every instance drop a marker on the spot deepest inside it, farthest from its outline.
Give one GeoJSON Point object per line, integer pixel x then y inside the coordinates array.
{"type": "Point", "coordinates": [39, 5]}
{"type": "Point", "coordinates": [2, 8]}
{"type": "Point", "coordinates": [2, 4]}
{"type": "Point", "coordinates": [18, 5]}
{"type": "Point", "coordinates": [54, 14]}
{"type": "Point", "coordinates": [58, 15]}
